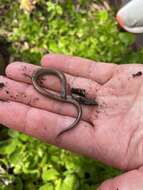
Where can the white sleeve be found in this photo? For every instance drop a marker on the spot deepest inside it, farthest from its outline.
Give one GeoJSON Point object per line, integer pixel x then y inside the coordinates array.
{"type": "Point", "coordinates": [130, 16]}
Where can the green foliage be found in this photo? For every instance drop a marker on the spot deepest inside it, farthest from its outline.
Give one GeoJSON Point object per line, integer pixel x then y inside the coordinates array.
{"type": "Point", "coordinates": [65, 28]}
{"type": "Point", "coordinates": [61, 27]}
{"type": "Point", "coordinates": [29, 164]}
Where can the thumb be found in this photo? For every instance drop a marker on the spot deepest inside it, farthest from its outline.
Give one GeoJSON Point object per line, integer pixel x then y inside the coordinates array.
{"type": "Point", "coordinates": [132, 180]}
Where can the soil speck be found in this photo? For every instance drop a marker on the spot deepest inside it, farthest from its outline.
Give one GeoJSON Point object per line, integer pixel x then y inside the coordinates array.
{"type": "Point", "coordinates": [24, 68]}
{"type": "Point", "coordinates": [2, 85]}
{"type": "Point", "coordinates": [139, 73]}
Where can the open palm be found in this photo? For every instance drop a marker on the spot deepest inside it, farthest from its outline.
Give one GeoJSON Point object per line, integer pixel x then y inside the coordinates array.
{"type": "Point", "coordinates": [111, 132]}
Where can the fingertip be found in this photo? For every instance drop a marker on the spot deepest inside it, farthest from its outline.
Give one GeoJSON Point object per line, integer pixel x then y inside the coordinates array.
{"type": "Point", "coordinates": [120, 20]}
{"type": "Point", "coordinates": [54, 59]}
{"type": "Point", "coordinates": [44, 59]}
{"type": "Point", "coordinates": [9, 69]}
{"type": "Point", "coordinates": [47, 58]}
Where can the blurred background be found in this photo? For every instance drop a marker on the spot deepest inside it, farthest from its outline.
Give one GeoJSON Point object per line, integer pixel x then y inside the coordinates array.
{"type": "Point", "coordinates": [28, 30]}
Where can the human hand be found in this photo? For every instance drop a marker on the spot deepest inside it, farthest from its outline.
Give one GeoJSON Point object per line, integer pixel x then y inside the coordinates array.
{"type": "Point", "coordinates": [111, 132]}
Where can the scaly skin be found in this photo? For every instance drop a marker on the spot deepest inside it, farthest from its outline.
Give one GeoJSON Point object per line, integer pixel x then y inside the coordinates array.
{"type": "Point", "coordinates": [76, 100]}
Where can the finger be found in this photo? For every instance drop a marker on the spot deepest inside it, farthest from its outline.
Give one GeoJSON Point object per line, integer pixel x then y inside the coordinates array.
{"type": "Point", "coordinates": [26, 94]}
{"type": "Point", "coordinates": [23, 72]}
{"type": "Point", "coordinates": [46, 126]}
{"type": "Point", "coordinates": [132, 180]}
{"type": "Point", "coordinates": [76, 66]}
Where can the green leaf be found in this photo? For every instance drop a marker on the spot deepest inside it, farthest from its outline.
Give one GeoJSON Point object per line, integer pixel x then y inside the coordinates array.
{"type": "Point", "coordinates": [59, 10]}
{"type": "Point", "coordinates": [58, 184]}
{"type": "Point", "coordinates": [47, 186]}
{"type": "Point", "coordinates": [8, 146]}
{"type": "Point", "coordinates": [70, 182]}
{"type": "Point", "coordinates": [49, 174]}
{"type": "Point", "coordinates": [103, 15]}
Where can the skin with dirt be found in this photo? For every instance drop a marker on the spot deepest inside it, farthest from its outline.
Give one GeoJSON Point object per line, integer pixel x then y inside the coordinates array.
{"type": "Point", "coordinates": [139, 73]}
{"type": "Point", "coordinates": [111, 132]}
